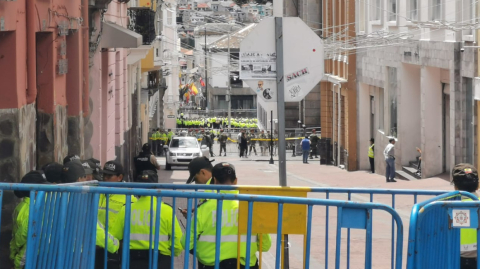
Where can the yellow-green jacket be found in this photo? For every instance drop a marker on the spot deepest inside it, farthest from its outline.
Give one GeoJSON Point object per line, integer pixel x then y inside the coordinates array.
{"type": "Point", "coordinates": [206, 231]}
{"type": "Point", "coordinates": [140, 226]}
{"type": "Point", "coordinates": [115, 204]}
{"type": "Point", "coordinates": [113, 243]}
{"type": "Point", "coordinates": [18, 244]}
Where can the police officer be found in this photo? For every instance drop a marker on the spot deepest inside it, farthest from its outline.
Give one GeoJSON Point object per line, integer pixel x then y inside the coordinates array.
{"type": "Point", "coordinates": [145, 161]}
{"type": "Point", "coordinates": [112, 172]}
{"type": "Point", "coordinates": [262, 143]}
{"type": "Point", "coordinates": [18, 244]}
{"type": "Point", "coordinates": [140, 232]}
{"type": "Point", "coordinates": [371, 155]}
{"type": "Point", "coordinates": [156, 142]}
{"type": "Point", "coordinates": [465, 178]}
{"type": "Point", "coordinates": [252, 141]}
{"type": "Point", "coordinates": [223, 174]}
{"type": "Point", "coordinates": [170, 134]}
{"type": "Point", "coordinates": [222, 139]}
{"type": "Point", "coordinates": [314, 142]}
{"type": "Point", "coordinates": [207, 140]}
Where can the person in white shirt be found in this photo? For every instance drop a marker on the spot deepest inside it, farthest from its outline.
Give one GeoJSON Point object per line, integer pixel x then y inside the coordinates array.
{"type": "Point", "coordinates": [389, 154]}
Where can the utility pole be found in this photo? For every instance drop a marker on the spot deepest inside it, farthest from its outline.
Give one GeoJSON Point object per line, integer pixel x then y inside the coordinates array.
{"type": "Point", "coordinates": [229, 87]}
{"type": "Point", "coordinates": [206, 74]}
{"type": "Point", "coordinates": [282, 156]}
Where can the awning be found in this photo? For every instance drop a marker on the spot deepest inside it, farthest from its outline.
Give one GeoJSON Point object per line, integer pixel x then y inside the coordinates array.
{"type": "Point", "coordinates": [116, 36]}
{"type": "Point", "coordinates": [136, 54]}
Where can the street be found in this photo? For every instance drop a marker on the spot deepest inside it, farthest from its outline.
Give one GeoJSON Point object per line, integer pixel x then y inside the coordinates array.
{"type": "Point", "coordinates": [261, 173]}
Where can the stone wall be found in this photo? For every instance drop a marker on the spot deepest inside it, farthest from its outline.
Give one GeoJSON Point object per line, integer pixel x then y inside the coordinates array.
{"type": "Point", "coordinates": [17, 157]}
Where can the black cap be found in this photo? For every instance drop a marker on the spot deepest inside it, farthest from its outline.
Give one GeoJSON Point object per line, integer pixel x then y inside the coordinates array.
{"type": "Point", "coordinates": [196, 165]}
{"type": "Point", "coordinates": [32, 177]}
{"type": "Point", "coordinates": [113, 168]}
{"type": "Point", "coordinates": [223, 171]}
{"type": "Point", "coordinates": [72, 171]}
{"type": "Point", "coordinates": [88, 166]}
{"type": "Point", "coordinates": [70, 158]}
{"type": "Point", "coordinates": [96, 162]}
{"type": "Point", "coordinates": [53, 172]}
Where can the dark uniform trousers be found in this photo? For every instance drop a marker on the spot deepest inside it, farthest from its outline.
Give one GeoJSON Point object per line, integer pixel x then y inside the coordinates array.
{"type": "Point", "coordinates": [227, 264]}
{"type": "Point", "coordinates": [223, 146]}
{"type": "Point", "coordinates": [139, 259]}
{"type": "Point", "coordinates": [468, 263]}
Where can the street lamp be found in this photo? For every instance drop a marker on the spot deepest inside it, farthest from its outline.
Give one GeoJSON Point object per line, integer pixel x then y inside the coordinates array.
{"type": "Point", "coordinates": [304, 127]}
{"type": "Point", "coordinates": [299, 123]}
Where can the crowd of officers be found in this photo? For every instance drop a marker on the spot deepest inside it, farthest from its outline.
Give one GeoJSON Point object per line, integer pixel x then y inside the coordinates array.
{"type": "Point", "coordinates": [216, 122]}
{"type": "Point", "coordinates": [201, 172]}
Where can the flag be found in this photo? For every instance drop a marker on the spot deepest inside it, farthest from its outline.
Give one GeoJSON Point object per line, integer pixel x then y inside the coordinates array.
{"type": "Point", "coordinates": [202, 82]}
{"type": "Point", "coordinates": [193, 89]}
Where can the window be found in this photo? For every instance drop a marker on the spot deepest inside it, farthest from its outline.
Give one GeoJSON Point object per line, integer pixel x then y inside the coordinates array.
{"type": "Point", "coordinates": [392, 98]}
{"type": "Point", "coordinates": [375, 10]}
{"type": "Point", "coordinates": [169, 17]}
{"type": "Point", "coordinates": [157, 53]}
{"type": "Point", "coordinates": [392, 10]}
{"type": "Point", "coordinates": [412, 13]}
{"type": "Point", "coordinates": [436, 10]}
{"type": "Point", "coordinates": [381, 109]}
{"type": "Point", "coordinates": [361, 15]}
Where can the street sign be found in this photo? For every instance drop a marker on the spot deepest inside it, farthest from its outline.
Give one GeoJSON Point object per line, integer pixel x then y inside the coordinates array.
{"type": "Point", "coordinates": [171, 116]}
{"type": "Point", "coordinates": [303, 58]}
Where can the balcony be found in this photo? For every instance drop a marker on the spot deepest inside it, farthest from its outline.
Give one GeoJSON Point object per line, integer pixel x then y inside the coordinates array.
{"type": "Point", "coordinates": [142, 21]}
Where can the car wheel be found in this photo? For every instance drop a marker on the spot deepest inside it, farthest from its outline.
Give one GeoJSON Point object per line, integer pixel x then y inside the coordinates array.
{"type": "Point", "coordinates": [168, 166]}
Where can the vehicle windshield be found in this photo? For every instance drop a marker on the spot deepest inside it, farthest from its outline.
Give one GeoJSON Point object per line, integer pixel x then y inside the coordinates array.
{"type": "Point", "coordinates": [184, 143]}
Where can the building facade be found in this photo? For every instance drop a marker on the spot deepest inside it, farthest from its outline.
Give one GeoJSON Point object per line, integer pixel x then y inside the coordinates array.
{"type": "Point", "coordinates": [420, 89]}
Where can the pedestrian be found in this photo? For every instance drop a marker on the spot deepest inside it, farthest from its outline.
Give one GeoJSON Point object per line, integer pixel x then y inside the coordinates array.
{"type": "Point", "coordinates": [243, 145]}
{"type": "Point", "coordinates": [18, 244]}
{"type": "Point", "coordinates": [145, 161]}
{"type": "Point", "coordinates": [419, 166]}
{"type": "Point", "coordinates": [239, 137]}
{"type": "Point", "coordinates": [371, 155]}
{"type": "Point", "coordinates": [465, 178]}
{"type": "Point", "coordinates": [305, 148]}
{"type": "Point", "coordinates": [252, 141]}
{"type": "Point", "coordinates": [222, 139]}
{"type": "Point", "coordinates": [223, 174]}
{"type": "Point", "coordinates": [314, 139]}
{"type": "Point", "coordinates": [73, 171]}
{"type": "Point", "coordinates": [140, 229]}
{"type": "Point", "coordinates": [389, 154]}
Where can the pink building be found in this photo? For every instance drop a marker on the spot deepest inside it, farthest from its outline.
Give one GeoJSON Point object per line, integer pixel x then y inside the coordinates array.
{"type": "Point", "coordinates": [69, 84]}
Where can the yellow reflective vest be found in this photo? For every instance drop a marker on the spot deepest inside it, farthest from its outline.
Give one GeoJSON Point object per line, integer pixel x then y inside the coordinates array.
{"type": "Point", "coordinates": [371, 154]}
{"type": "Point", "coordinates": [140, 226]}
{"type": "Point", "coordinates": [206, 231]}
{"type": "Point", "coordinates": [18, 244]}
{"type": "Point", "coordinates": [115, 204]}
{"type": "Point", "coordinates": [112, 243]}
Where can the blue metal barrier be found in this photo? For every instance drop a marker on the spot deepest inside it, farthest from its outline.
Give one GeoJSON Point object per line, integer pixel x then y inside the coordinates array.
{"type": "Point", "coordinates": [76, 249]}
{"type": "Point", "coordinates": [432, 242]}
{"type": "Point", "coordinates": [372, 195]}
